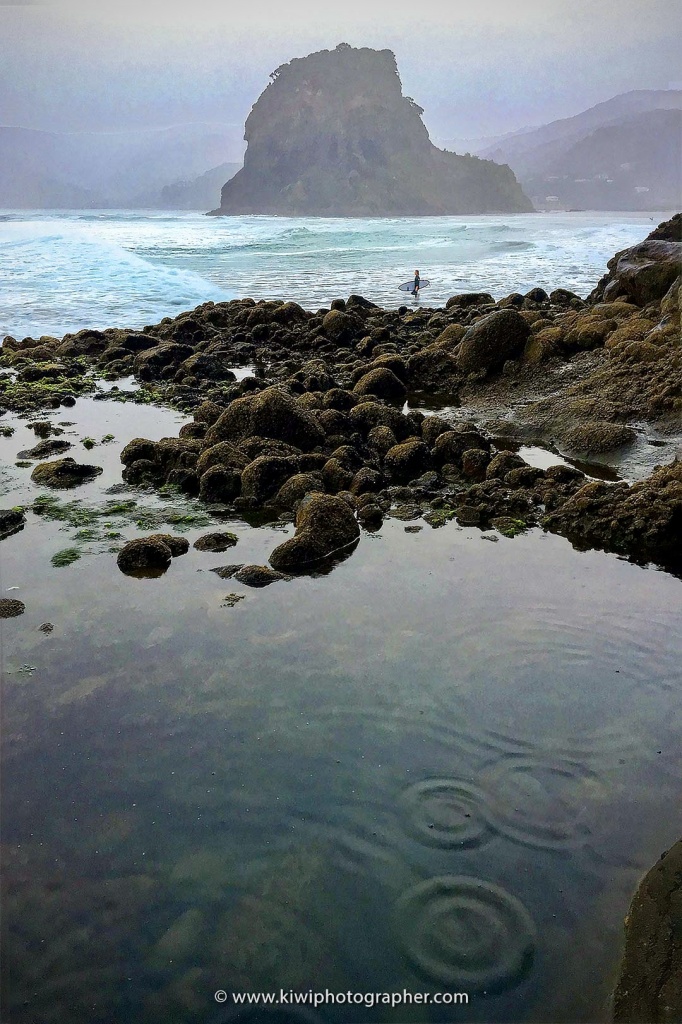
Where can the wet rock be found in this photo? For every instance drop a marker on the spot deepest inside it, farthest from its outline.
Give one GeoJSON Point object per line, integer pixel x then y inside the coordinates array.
{"type": "Point", "coordinates": [270, 414]}
{"type": "Point", "coordinates": [221, 540]}
{"type": "Point", "coordinates": [296, 488]}
{"type": "Point", "coordinates": [381, 439]}
{"type": "Point", "coordinates": [43, 450]}
{"type": "Point", "coordinates": [366, 480]}
{"type": "Point", "coordinates": [596, 436]}
{"type": "Point", "coordinates": [10, 608]}
{"type": "Point", "coordinates": [11, 521]}
{"type": "Point", "coordinates": [475, 462]}
{"type": "Point", "coordinates": [259, 575]}
{"type": "Point", "coordinates": [176, 545]}
{"type": "Point", "coordinates": [263, 477]}
{"type": "Point", "coordinates": [145, 556]}
{"type": "Point", "coordinates": [451, 445]}
{"type": "Point", "coordinates": [219, 485]}
{"type": "Point", "coordinates": [371, 516]}
{"type": "Point", "coordinates": [408, 460]}
{"type": "Point", "coordinates": [642, 273]}
{"type": "Point", "coordinates": [643, 521]}
{"type": "Point", "coordinates": [649, 987]}
{"type": "Point", "coordinates": [433, 427]}
{"type": "Point", "coordinates": [325, 525]}
{"type": "Point", "coordinates": [466, 299]}
{"type": "Point", "coordinates": [434, 370]}
{"type": "Point", "coordinates": [208, 412]}
{"type": "Point", "coordinates": [381, 382]}
{"type": "Point", "coordinates": [368, 415]}
{"type": "Point", "coordinates": [138, 448]}
{"type": "Point", "coordinates": [503, 463]}
{"type": "Point", "coordinates": [64, 473]}
{"type": "Point", "coordinates": [341, 327]}
{"type": "Point", "coordinates": [142, 472]}
{"type": "Point", "coordinates": [493, 340]}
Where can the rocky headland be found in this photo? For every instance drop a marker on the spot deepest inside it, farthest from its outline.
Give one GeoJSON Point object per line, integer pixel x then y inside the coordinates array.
{"type": "Point", "coordinates": [333, 135]}
{"type": "Point", "coordinates": [327, 431]}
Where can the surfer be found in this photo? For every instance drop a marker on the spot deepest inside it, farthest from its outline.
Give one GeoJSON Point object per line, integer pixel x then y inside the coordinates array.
{"type": "Point", "coordinates": [415, 290]}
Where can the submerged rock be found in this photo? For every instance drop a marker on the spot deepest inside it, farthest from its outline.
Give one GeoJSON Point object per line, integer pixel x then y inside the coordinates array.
{"type": "Point", "coordinates": [11, 521]}
{"type": "Point", "coordinates": [324, 526]}
{"type": "Point", "coordinates": [258, 575]}
{"type": "Point", "coordinates": [10, 608]}
{"type": "Point", "coordinates": [64, 473]}
{"type": "Point", "coordinates": [219, 541]}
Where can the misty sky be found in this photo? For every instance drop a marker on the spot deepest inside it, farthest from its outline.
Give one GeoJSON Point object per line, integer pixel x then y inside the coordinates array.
{"type": "Point", "coordinates": [478, 68]}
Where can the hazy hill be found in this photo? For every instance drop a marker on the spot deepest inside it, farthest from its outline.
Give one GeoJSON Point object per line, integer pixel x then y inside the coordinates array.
{"type": "Point", "coordinates": [621, 154]}
{"type": "Point", "coordinates": [198, 194]}
{"type": "Point", "coordinates": [87, 169]}
{"type": "Point", "coordinates": [333, 135]}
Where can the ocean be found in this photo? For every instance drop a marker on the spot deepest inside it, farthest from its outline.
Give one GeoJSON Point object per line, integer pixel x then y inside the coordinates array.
{"type": "Point", "coordinates": [61, 271]}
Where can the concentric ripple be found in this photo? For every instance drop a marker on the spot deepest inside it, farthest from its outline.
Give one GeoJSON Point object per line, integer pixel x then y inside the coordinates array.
{"type": "Point", "coordinates": [447, 813]}
{"type": "Point", "coordinates": [462, 931]}
{"type": "Point", "coordinates": [539, 803]}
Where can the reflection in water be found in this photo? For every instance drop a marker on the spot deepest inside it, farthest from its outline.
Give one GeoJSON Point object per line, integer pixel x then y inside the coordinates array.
{"type": "Point", "coordinates": [437, 765]}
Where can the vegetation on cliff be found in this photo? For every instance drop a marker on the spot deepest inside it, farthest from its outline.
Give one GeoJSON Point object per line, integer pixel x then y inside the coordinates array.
{"type": "Point", "coordinates": [333, 135]}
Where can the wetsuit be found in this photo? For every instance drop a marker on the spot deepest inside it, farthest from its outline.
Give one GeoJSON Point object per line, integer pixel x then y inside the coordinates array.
{"type": "Point", "coordinates": [416, 284]}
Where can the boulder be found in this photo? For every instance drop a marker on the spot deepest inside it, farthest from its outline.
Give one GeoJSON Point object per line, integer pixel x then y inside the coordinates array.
{"type": "Point", "coordinates": [470, 299]}
{"type": "Point", "coordinates": [145, 556]}
{"type": "Point", "coordinates": [598, 436]}
{"type": "Point", "coordinates": [263, 477]}
{"type": "Point", "coordinates": [271, 413]}
{"type": "Point", "coordinates": [258, 575]}
{"type": "Point", "coordinates": [642, 273]}
{"type": "Point", "coordinates": [493, 340]}
{"type": "Point", "coordinates": [434, 369]}
{"type": "Point", "coordinates": [325, 525]}
{"type": "Point", "coordinates": [368, 415]}
{"type": "Point", "coordinates": [219, 484]}
{"type": "Point", "coordinates": [296, 488]}
{"type": "Point", "coordinates": [64, 473]}
{"type": "Point", "coordinates": [406, 461]}
{"type": "Point", "coordinates": [381, 382]}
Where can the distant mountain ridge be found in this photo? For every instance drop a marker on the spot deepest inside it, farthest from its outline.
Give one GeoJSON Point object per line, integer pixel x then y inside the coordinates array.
{"type": "Point", "coordinates": [40, 169]}
{"type": "Point", "coordinates": [333, 135]}
{"type": "Point", "coordinates": [620, 154]}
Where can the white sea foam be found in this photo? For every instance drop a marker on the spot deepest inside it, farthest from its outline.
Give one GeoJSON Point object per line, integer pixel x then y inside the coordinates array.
{"type": "Point", "coordinates": [62, 271]}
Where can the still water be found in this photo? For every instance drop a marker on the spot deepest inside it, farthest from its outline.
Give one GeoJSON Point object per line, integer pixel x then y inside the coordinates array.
{"type": "Point", "coordinates": [441, 767]}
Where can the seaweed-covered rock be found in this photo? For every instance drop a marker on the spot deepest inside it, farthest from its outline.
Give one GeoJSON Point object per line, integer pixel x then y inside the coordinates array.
{"type": "Point", "coordinates": [145, 556]}
{"type": "Point", "coordinates": [44, 449]}
{"type": "Point", "coordinates": [381, 382]}
{"type": "Point", "coordinates": [177, 545]}
{"type": "Point", "coordinates": [220, 540]}
{"type": "Point", "coordinates": [11, 521]}
{"type": "Point", "coordinates": [10, 608]}
{"type": "Point", "coordinates": [219, 484]}
{"type": "Point", "coordinates": [407, 461]}
{"type": "Point", "coordinates": [263, 477]}
{"type": "Point", "coordinates": [434, 369]}
{"type": "Point", "coordinates": [644, 520]}
{"type": "Point", "coordinates": [296, 488]}
{"type": "Point", "coordinates": [138, 448]}
{"type": "Point", "coordinates": [597, 436]}
{"type": "Point", "coordinates": [493, 340]}
{"type": "Point", "coordinates": [465, 299]}
{"type": "Point", "coordinates": [325, 525]}
{"type": "Point", "coordinates": [368, 415]}
{"type": "Point", "coordinates": [271, 413]}
{"type": "Point", "coordinates": [258, 575]}
{"type": "Point", "coordinates": [64, 473]}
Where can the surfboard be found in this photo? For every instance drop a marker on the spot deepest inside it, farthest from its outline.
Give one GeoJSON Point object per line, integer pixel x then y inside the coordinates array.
{"type": "Point", "coordinates": [409, 285]}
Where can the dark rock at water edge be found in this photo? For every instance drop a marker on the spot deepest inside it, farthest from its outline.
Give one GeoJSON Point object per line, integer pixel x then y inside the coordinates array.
{"type": "Point", "coordinates": [10, 608]}
{"type": "Point", "coordinates": [64, 473]}
{"type": "Point", "coordinates": [649, 988]}
{"type": "Point", "coordinates": [11, 521]}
